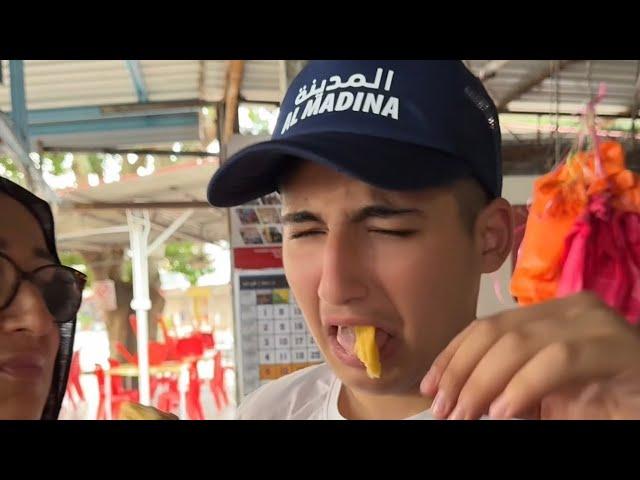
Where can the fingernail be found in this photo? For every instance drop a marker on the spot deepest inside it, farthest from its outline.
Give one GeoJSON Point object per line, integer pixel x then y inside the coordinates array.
{"type": "Point", "coordinates": [498, 408]}
{"type": "Point", "coordinates": [427, 382]}
{"type": "Point", "coordinates": [439, 406]}
{"type": "Point", "coordinates": [458, 413]}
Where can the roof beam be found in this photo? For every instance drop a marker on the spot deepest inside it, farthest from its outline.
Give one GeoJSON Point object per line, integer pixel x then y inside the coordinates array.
{"type": "Point", "coordinates": [125, 151]}
{"type": "Point", "coordinates": [140, 205]}
{"type": "Point", "coordinates": [91, 232]}
{"type": "Point", "coordinates": [157, 226]}
{"type": "Point", "coordinates": [180, 234]}
{"type": "Point", "coordinates": [19, 101]}
{"type": "Point", "coordinates": [135, 72]}
{"type": "Point", "coordinates": [490, 69]}
{"type": "Point", "coordinates": [202, 79]}
{"type": "Point", "coordinates": [101, 112]}
{"type": "Point", "coordinates": [121, 123]}
{"type": "Point", "coordinates": [130, 108]}
{"type": "Point", "coordinates": [530, 82]}
{"type": "Point", "coordinates": [14, 133]}
{"type": "Point", "coordinates": [235, 74]}
{"type": "Point", "coordinates": [562, 114]}
{"type": "Point", "coordinates": [171, 229]}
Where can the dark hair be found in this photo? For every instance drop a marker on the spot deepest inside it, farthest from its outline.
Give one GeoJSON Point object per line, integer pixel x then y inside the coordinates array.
{"type": "Point", "coordinates": [471, 198]}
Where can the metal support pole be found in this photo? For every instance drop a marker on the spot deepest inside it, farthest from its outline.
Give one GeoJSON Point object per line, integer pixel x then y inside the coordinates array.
{"type": "Point", "coordinates": [139, 228]}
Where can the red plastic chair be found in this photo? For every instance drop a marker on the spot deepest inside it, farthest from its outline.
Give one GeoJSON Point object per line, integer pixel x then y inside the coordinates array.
{"type": "Point", "coordinates": [180, 350]}
{"type": "Point", "coordinates": [74, 388]}
{"type": "Point", "coordinates": [189, 347]}
{"type": "Point", "coordinates": [217, 383]}
{"type": "Point", "coordinates": [158, 353]}
{"type": "Point", "coordinates": [194, 406]}
{"type": "Point", "coordinates": [186, 348]}
{"type": "Point", "coordinates": [126, 354]}
{"type": "Point", "coordinates": [207, 339]}
{"type": "Point", "coordinates": [119, 394]}
{"type": "Point", "coordinates": [169, 401]}
{"type": "Point", "coordinates": [194, 346]}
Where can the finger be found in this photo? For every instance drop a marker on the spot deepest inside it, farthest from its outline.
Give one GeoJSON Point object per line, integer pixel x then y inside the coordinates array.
{"type": "Point", "coordinates": [518, 316]}
{"type": "Point", "coordinates": [465, 359]}
{"type": "Point", "coordinates": [576, 402]}
{"type": "Point", "coordinates": [557, 366]}
{"type": "Point", "coordinates": [429, 384]}
{"type": "Point", "coordinates": [494, 371]}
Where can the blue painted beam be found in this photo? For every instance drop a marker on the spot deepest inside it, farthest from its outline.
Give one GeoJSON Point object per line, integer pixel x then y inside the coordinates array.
{"type": "Point", "coordinates": [111, 124]}
{"type": "Point", "coordinates": [70, 114]}
{"type": "Point", "coordinates": [97, 112]}
{"type": "Point", "coordinates": [135, 71]}
{"type": "Point", "coordinates": [16, 135]}
{"type": "Point", "coordinates": [18, 100]}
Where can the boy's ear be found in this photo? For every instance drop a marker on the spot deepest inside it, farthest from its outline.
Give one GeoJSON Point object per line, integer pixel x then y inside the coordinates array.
{"type": "Point", "coordinates": [494, 234]}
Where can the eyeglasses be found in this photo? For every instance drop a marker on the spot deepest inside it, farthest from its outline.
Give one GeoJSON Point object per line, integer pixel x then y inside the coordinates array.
{"type": "Point", "coordinates": [61, 287]}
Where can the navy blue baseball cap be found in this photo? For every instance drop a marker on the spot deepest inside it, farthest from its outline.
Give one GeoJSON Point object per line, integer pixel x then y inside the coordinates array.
{"type": "Point", "coordinates": [396, 125]}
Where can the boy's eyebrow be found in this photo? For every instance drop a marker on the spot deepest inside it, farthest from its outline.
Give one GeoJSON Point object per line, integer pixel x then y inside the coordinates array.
{"type": "Point", "coordinates": [383, 211]}
{"type": "Point", "coordinates": [370, 211]}
{"type": "Point", "coordinates": [303, 216]}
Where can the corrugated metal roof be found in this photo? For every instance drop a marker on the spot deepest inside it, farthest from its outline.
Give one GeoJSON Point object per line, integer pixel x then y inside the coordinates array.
{"type": "Point", "coordinates": [72, 83]}
{"type": "Point", "coordinates": [51, 85]}
{"type": "Point", "coordinates": [576, 82]}
{"type": "Point", "coordinates": [262, 81]}
{"type": "Point", "coordinates": [67, 83]}
{"type": "Point", "coordinates": [61, 84]}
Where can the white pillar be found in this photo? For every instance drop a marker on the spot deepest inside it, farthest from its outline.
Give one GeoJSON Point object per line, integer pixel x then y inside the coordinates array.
{"type": "Point", "coordinates": [139, 228]}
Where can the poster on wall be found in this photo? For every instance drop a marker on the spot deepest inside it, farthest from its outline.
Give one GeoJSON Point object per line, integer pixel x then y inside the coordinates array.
{"type": "Point", "coordinates": [257, 223]}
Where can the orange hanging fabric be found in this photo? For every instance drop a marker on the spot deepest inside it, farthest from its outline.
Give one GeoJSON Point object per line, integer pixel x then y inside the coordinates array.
{"type": "Point", "coordinates": [583, 229]}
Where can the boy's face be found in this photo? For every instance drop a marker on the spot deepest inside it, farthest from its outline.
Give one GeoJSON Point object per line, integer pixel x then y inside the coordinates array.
{"type": "Point", "coordinates": [401, 261]}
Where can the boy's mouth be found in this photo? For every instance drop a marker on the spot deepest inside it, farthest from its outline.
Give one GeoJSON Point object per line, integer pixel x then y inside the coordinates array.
{"type": "Point", "coordinates": [342, 340]}
{"type": "Point", "coordinates": [346, 337]}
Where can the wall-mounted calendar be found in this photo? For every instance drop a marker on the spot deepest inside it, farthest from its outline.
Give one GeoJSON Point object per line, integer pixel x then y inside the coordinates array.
{"type": "Point", "coordinates": [272, 339]}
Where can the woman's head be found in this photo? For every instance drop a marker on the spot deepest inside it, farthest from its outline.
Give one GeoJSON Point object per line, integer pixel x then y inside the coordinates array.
{"type": "Point", "coordinates": [38, 303]}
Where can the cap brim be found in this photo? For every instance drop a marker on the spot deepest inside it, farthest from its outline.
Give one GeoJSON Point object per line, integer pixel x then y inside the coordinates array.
{"type": "Point", "coordinates": [388, 164]}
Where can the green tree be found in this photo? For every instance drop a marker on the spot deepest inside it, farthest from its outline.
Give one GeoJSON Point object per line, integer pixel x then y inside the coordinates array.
{"type": "Point", "coordinates": [188, 259]}
{"type": "Point", "coordinates": [10, 170]}
{"type": "Point", "coordinates": [55, 163]}
{"type": "Point", "coordinates": [260, 126]}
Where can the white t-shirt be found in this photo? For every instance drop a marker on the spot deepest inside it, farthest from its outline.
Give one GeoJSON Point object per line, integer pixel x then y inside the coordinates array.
{"type": "Point", "coordinates": [308, 394]}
